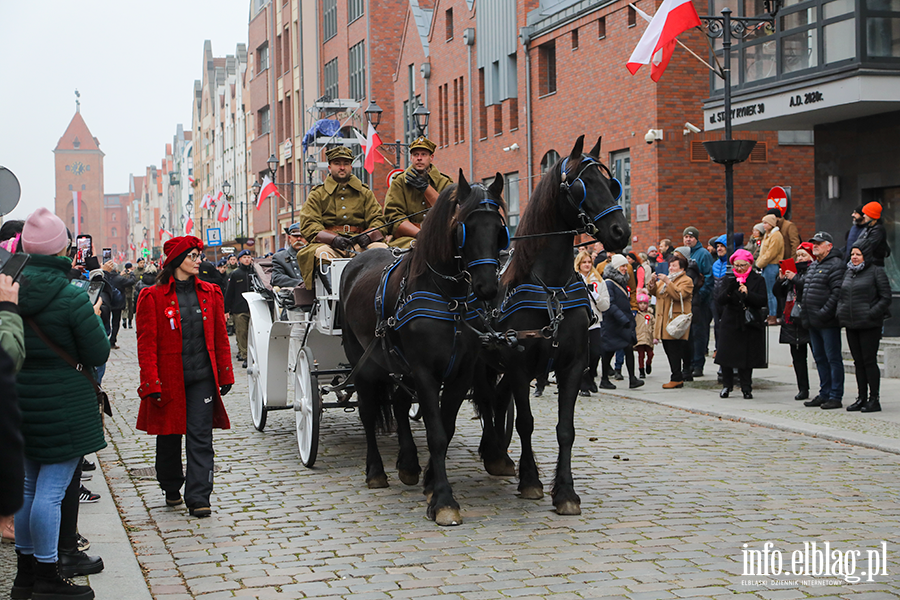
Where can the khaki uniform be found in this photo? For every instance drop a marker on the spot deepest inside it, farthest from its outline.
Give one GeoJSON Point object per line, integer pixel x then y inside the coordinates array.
{"type": "Point", "coordinates": [403, 200]}
{"type": "Point", "coordinates": [345, 208]}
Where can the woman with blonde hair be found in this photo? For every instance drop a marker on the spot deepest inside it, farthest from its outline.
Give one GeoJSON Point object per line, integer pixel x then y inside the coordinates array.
{"type": "Point", "coordinates": [584, 266]}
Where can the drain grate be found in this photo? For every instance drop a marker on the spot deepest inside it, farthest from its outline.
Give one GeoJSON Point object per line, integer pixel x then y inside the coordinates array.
{"type": "Point", "coordinates": [150, 472]}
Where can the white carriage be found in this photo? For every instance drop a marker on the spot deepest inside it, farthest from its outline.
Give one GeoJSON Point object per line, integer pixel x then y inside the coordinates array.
{"type": "Point", "coordinates": [294, 352]}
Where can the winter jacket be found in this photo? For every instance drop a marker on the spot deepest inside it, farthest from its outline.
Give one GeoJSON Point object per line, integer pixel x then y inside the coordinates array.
{"type": "Point", "coordinates": [195, 361]}
{"type": "Point", "coordinates": [720, 267]}
{"type": "Point", "coordinates": [160, 347]}
{"type": "Point", "coordinates": [771, 252]}
{"type": "Point", "coordinates": [118, 283]}
{"type": "Point", "coordinates": [618, 328]}
{"type": "Point", "coordinates": [12, 462]}
{"type": "Point", "coordinates": [873, 243]}
{"type": "Point", "coordinates": [674, 296]}
{"type": "Point", "coordinates": [704, 261]}
{"type": "Point", "coordinates": [865, 298]}
{"type": "Point", "coordinates": [12, 336]}
{"type": "Point", "coordinates": [146, 279]}
{"type": "Point", "coordinates": [238, 283]}
{"type": "Point", "coordinates": [753, 247]}
{"type": "Point", "coordinates": [788, 290]}
{"type": "Point", "coordinates": [60, 414]}
{"type": "Point", "coordinates": [852, 236]}
{"type": "Point", "coordinates": [821, 289]}
{"type": "Point", "coordinates": [286, 269]}
{"type": "Point", "coordinates": [791, 236]}
{"type": "Point", "coordinates": [741, 346]}
{"type": "Point", "coordinates": [599, 296]}
{"type": "Point", "coordinates": [210, 274]}
{"type": "Point", "coordinates": [643, 324]}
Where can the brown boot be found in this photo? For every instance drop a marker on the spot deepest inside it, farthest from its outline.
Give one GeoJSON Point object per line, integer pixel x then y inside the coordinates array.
{"type": "Point", "coordinates": [672, 385]}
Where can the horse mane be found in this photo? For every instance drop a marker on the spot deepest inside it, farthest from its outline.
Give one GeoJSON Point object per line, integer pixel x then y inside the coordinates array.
{"type": "Point", "coordinates": [540, 216]}
{"type": "Point", "coordinates": [436, 242]}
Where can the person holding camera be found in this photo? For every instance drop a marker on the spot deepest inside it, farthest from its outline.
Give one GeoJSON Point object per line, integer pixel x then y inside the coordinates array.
{"type": "Point", "coordinates": [337, 215]}
{"type": "Point", "coordinates": [673, 300]}
{"type": "Point", "coordinates": [185, 363]}
{"type": "Point", "coordinates": [413, 191]}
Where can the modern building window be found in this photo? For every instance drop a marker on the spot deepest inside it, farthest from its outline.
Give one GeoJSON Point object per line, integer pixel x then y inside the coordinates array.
{"type": "Point", "coordinates": [498, 118]}
{"type": "Point", "coordinates": [632, 17]}
{"type": "Point", "coordinates": [262, 122]}
{"type": "Point", "coordinates": [357, 61]}
{"type": "Point", "coordinates": [331, 79]}
{"type": "Point", "coordinates": [601, 28]}
{"type": "Point", "coordinates": [329, 19]}
{"type": "Point", "coordinates": [796, 138]}
{"type": "Point", "coordinates": [482, 108]}
{"type": "Point", "coordinates": [882, 32]}
{"type": "Point", "coordinates": [513, 114]}
{"type": "Point", "coordinates": [355, 9]}
{"type": "Point", "coordinates": [511, 195]}
{"type": "Point", "coordinates": [549, 160]}
{"type": "Point", "coordinates": [574, 39]}
{"type": "Point", "coordinates": [547, 66]}
{"type": "Point", "coordinates": [621, 170]}
{"type": "Point", "coordinates": [461, 110]}
{"type": "Point", "coordinates": [448, 20]}
{"type": "Point", "coordinates": [262, 57]}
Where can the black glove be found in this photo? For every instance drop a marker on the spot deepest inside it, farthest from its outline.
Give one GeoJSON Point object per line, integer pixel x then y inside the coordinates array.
{"type": "Point", "coordinates": [420, 182]}
{"type": "Point", "coordinates": [340, 243]}
{"type": "Point", "coordinates": [155, 395]}
{"type": "Point", "coordinates": [225, 389]}
{"type": "Point", "coordinates": [364, 240]}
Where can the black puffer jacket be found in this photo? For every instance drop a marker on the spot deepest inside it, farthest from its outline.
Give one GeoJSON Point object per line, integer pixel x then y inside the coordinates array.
{"type": "Point", "coordinates": [792, 331]}
{"type": "Point", "coordinates": [194, 355]}
{"type": "Point", "coordinates": [617, 330]}
{"type": "Point", "coordinates": [873, 243]}
{"type": "Point", "coordinates": [865, 298]}
{"type": "Point", "coordinates": [821, 289]}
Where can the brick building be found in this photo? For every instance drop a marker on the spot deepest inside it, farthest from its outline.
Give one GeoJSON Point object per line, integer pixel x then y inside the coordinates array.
{"type": "Point", "coordinates": [79, 177]}
{"type": "Point", "coordinates": [116, 224]}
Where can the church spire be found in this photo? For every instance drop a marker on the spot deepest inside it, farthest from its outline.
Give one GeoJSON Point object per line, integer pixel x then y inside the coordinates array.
{"type": "Point", "coordinates": [77, 101]}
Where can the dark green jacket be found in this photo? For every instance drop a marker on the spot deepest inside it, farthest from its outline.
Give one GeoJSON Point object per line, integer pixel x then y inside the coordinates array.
{"type": "Point", "coordinates": [60, 414]}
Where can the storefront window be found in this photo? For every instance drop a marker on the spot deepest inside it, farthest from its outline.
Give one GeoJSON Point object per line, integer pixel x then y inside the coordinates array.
{"type": "Point", "coordinates": [890, 202]}
{"type": "Point", "coordinates": [883, 36]}
{"type": "Point", "coordinates": [840, 41]}
{"type": "Point", "coordinates": [799, 51]}
{"type": "Point", "coordinates": [759, 61]}
{"type": "Point", "coordinates": [837, 8]}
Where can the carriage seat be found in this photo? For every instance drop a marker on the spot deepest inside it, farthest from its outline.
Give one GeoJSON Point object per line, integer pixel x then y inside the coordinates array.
{"type": "Point", "coordinates": [286, 297]}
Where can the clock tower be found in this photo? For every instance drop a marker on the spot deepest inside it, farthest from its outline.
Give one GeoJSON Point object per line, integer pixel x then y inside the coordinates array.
{"type": "Point", "coordinates": [79, 178]}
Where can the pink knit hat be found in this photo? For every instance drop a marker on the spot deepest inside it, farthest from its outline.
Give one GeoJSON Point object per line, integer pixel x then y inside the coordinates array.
{"type": "Point", "coordinates": [44, 233]}
{"type": "Point", "coordinates": [643, 298]}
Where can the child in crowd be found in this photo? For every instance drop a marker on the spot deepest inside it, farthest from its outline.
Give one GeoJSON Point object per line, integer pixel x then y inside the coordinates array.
{"type": "Point", "coordinates": [644, 323]}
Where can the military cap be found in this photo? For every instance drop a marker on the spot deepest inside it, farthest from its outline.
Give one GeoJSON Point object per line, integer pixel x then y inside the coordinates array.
{"type": "Point", "coordinates": [339, 152]}
{"type": "Point", "coordinates": [292, 229]}
{"type": "Point", "coordinates": [423, 143]}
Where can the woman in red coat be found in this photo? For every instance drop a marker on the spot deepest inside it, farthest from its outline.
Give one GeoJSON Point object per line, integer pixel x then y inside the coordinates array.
{"type": "Point", "coordinates": [185, 362]}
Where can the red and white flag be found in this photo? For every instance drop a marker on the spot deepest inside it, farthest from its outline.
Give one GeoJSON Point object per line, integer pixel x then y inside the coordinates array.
{"type": "Point", "coordinates": [76, 204]}
{"type": "Point", "coordinates": [188, 226]}
{"type": "Point", "coordinates": [268, 188]}
{"type": "Point", "coordinates": [206, 202]}
{"type": "Point", "coordinates": [223, 212]}
{"type": "Point", "coordinates": [219, 196]}
{"type": "Point", "coordinates": [132, 247]}
{"type": "Point", "coordinates": [658, 42]}
{"type": "Point", "coordinates": [372, 144]}
{"type": "Point", "coordinates": [163, 233]}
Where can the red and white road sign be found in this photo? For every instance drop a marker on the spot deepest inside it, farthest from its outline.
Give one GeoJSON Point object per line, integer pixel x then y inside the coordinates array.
{"type": "Point", "coordinates": [392, 174]}
{"type": "Point", "coordinates": [778, 198]}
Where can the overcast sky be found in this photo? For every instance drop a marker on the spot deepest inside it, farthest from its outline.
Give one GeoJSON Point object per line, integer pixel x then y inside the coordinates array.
{"type": "Point", "coordinates": [134, 64]}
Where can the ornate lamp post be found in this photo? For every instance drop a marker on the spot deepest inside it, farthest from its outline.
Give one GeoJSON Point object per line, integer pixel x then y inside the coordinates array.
{"type": "Point", "coordinates": [420, 117]}
{"type": "Point", "coordinates": [728, 151]}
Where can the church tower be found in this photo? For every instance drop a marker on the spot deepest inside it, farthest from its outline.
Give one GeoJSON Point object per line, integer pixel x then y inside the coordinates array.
{"type": "Point", "coordinates": [79, 177]}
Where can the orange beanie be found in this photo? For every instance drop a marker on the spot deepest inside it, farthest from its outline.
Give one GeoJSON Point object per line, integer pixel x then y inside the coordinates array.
{"type": "Point", "coordinates": [873, 210]}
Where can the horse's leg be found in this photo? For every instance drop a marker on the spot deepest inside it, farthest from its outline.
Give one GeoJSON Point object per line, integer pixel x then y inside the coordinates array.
{"type": "Point", "coordinates": [408, 458]}
{"type": "Point", "coordinates": [371, 396]}
{"type": "Point", "coordinates": [493, 402]}
{"type": "Point", "coordinates": [530, 486]}
{"type": "Point", "coordinates": [442, 508]}
{"type": "Point", "coordinates": [565, 499]}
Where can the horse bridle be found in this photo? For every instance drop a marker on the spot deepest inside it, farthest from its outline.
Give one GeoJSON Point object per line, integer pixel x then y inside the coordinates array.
{"type": "Point", "coordinates": [504, 241]}
{"type": "Point", "coordinates": [566, 187]}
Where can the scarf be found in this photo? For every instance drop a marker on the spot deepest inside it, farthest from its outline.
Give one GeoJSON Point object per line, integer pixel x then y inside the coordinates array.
{"type": "Point", "coordinates": [856, 268]}
{"type": "Point", "coordinates": [742, 277]}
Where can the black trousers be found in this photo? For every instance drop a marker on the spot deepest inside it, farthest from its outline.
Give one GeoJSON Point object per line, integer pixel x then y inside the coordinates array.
{"type": "Point", "coordinates": [198, 445]}
{"type": "Point", "coordinates": [745, 376]}
{"type": "Point", "coordinates": [68, 521]}
{"type": "Point", "coordinates": [801, 368]}
{"type": "Point", "coordinates": [679, 353]}
{"type": "Point", "coordinates": [114, 326]}
{"type": "Point", "coordinates": [864, 349]}
{"type": "Point", "coordinates": [629, 362]}
{"type": "Point", "coordinates": [594, 355]}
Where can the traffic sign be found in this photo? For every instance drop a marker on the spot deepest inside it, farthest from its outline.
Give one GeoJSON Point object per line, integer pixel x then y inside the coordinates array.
{"type": "Point", "coordinates": [392, 174]}
{"type": "Point", "coordinates": [779, 197]}
{"type": "Point", "coordinates": [214, 236]}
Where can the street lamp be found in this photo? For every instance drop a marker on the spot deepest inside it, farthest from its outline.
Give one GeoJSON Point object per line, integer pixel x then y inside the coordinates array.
{"type": "Point", "coordinates": [273, 165]}
{"type": "Point", "coordinates": [728, 151]}
{"type": "Point", "coordinates": [420, 119]}
{"type": "Point", "coordinates": [373, 114]}
{"type": "Point", "coordinates": [311, 166]}
{"type": "Point", "coordinates": [420, 116]}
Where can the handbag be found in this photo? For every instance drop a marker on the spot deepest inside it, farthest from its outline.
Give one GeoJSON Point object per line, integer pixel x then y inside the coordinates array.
{"type": "Point", "coordinates": [680, 325]}
{"type": "Point", "coordinates": [102, 398]}
{"type": "Point", "coordinates": [753, 318]}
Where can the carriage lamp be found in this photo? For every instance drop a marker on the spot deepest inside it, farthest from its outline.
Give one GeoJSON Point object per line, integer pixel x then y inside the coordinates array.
{"type": "Point", "coordinates": [373, 114]}
{"type": "Point", "coordinates": [420, 115]}
{"type": "Point", "coordinates": [273, 165]}
{"type": "Point", "coordinates": [226, 187]}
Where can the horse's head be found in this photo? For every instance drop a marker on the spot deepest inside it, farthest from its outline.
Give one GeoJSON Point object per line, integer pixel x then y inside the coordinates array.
{"type": "Point", "coordinates": [592, 195]}
{"type": "Point", "coordinates": [481, 233]}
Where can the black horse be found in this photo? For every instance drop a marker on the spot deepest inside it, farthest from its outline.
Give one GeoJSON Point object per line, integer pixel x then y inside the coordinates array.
{"type": "Point", "coordinates": [545, 303]}
{"type": "Point", "coordinates": [408, 327]}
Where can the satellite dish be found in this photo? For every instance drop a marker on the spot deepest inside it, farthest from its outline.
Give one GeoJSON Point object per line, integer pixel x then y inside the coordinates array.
{"type": "Point", "coordinates": [10, 191]}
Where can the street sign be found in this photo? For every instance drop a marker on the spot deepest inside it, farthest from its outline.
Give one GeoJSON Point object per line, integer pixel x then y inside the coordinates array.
{"type": "Point", "coordinates": [214, 236]}
{"type": "Point", "coordinates": [779, 197]}
{"type": "Point", "coordinates": [227, 250]}
{"type": "Point", "coordinates": [392, 174]}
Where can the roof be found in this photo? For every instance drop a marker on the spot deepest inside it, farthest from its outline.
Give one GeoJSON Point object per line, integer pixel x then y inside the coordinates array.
{"type": "Point", "coordinates": [77, 133]}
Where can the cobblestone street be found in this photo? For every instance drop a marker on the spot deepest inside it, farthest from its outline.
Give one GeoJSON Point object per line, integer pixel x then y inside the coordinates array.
{"type": "Point", "coordinates": [669, 498]}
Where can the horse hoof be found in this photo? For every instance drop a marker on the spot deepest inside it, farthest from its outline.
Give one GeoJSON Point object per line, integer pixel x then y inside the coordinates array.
{"type": "Point", "coordinates": [502, 467]}
{"type": "Point", "coordinates": [447, 516]}
{"type": "Point", "coordinates": [379, 481]}
{"type": "Point", "coordinates": [409, 477]}
{"type": "Point", "coordinates": [428, 495]}
{"type": "Point", "coordinates": [568, 508]}
{"type": "Point", "coordinates": [531, 493]}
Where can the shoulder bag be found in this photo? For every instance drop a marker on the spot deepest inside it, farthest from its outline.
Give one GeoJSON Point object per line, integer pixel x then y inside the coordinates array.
{"type": "Point", "coordinates": [680, 325]}
{"type": "Point", "coordinates": [102, 398]}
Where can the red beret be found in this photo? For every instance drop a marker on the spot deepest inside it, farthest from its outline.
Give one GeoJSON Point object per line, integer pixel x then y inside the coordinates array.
{"type": "Point", "coordinates": [180, 245]}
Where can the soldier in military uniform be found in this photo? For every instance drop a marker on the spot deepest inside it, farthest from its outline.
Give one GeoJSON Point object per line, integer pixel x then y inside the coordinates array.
{"type": "Point", "coordinates": [285, 270]}
{"type": "Point", "coordinates": [413, 191]}
{"type": "Point", "coordinates": [334, 215]}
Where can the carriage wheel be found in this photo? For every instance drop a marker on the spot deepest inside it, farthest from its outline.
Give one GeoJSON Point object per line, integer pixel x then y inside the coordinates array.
{"type": "Point", "coordinates": [258, 410]}
{"type": "Point", "coordinates": [307, 407]}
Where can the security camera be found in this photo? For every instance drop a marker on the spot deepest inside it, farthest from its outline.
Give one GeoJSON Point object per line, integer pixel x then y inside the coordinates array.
{"type": "Point", "coordinates": [690, 128]}
{"type": "Point", "coordinates": [652, 135]}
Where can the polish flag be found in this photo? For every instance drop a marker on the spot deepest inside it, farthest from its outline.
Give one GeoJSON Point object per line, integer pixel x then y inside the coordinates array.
{"type": "Point", "coordinates": [223, 211]}
{"type": "Point", "coordinates": [132, 247]}
{"type": "Point", "coordinates": [205, 202]}
{"type": "Point", "coordinates": [76, 203]}
{"type": "Point", "coordinates": [189, 226]}
{"type": "Point", "coordinates": [268, 188]}
{"type": "Point", "coordinates": [658, 42]}
{"type": "Point", "coordinates": [219, 197]}
{"type": "Point", "coordinates": [163, 233]}
{"type": "Point", "coordinates": [371, 155]}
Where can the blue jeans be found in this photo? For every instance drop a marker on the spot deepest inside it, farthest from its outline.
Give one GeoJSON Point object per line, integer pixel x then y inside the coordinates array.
{"type": "Point", "coordinates": [826, 350]}
{"type": "Point", "coordinates": [770, 274]}
{"type": "Point", "coordinates": [37, 522]}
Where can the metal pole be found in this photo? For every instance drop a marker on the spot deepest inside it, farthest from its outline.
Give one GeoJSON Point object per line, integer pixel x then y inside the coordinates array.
{"type": "Point", "coordinates": [729, 167]}
{"type": "Point", "coordinates": [397, 154]}
{"type": "Point", "coordinates": [292, 204]}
